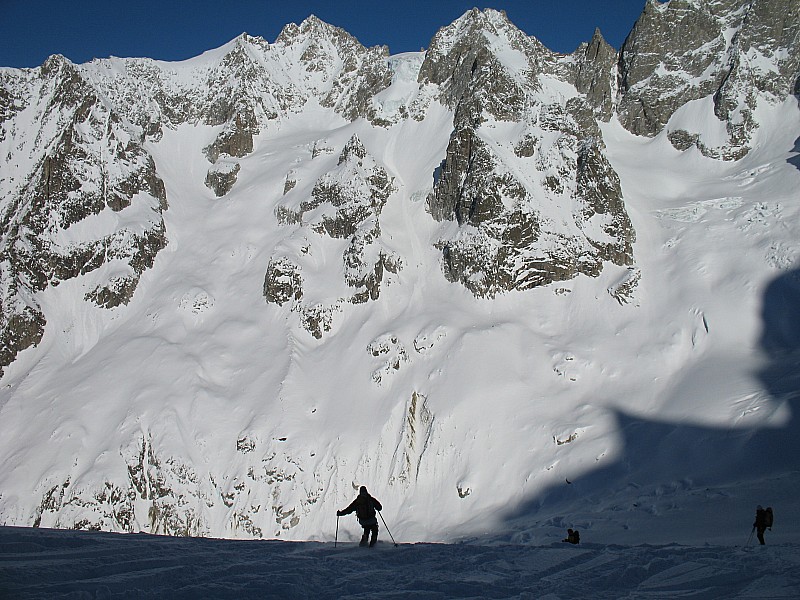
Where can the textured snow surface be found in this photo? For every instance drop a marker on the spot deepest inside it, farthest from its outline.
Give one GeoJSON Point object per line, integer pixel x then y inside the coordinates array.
{"type": "Point", "coordinates": [645, 404]}
{"type": "Point", "coordinates": [51, 564]}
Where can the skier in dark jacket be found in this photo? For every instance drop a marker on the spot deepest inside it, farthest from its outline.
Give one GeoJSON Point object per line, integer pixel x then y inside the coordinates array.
{"type": "Point", "coordinates": [763, 520]}
{"type": "Point", "coordinates": [364, 506]}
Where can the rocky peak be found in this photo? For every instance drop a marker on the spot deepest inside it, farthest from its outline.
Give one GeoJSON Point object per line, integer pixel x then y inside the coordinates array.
{"type": "Point", "coordinates": [342, 73]}
{"type": "Point", "coordinates": [321, 47]}
{"type": "Point", "coordinates": [594, 70]}
{"type": "Point", "coordinates": [473, 24]}
{"type": "Point", "coordinates": [256, 43]}
{"type": "Point", "coordinates": [463, 60]}
{"type": "Point", "coordinates": [311, 26]}
{"type": "Point", "coordinates": [55, 63]}
{"type": "Point", "coordinates": [505, 239]}
{"type": "Point", "coordinates": [685, 50]}
{"type": "Point", "coordinates": [69, 86]}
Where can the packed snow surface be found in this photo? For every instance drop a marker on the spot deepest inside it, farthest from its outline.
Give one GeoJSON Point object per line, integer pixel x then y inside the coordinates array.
{"type": "Point", "coordinates": [52, 564]}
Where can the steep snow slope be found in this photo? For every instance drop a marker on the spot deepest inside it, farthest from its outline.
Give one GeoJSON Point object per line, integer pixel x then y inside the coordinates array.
{"type": "Point", "coordinates": [456, 412]}
{"type": "Point", "coordinates": [661, 390]}
{"type": "Point", "coordinates": [705, 412]}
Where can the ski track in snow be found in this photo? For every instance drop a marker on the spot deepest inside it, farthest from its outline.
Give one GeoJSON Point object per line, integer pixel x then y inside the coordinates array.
{"type": "Point", "coordinates": [41, 563]}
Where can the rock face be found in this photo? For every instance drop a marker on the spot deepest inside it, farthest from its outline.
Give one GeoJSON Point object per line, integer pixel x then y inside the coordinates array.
{"type": "Point", "coordinates": [594, 74]}
{"type": "Point", "coordinates": [221, 178]}
{"type": "Point", "coordinates": [85, 163]}
{"type": "Point", "coordinates": [345, 203]}
{"type": "Point", "coordinates": [89, 156]}
{"type": "Point", "coordinates": [686, 50]}
{"type": "Point", "coordinates": [526, 196]}
{"type": "Point", "coordinates": [553, 208]}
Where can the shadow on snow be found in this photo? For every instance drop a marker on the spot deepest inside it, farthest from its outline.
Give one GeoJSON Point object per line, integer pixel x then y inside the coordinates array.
{"type": "Point", "coordinates": [795, 160]}
{"type": "Point", "coordinates": [660, 455]}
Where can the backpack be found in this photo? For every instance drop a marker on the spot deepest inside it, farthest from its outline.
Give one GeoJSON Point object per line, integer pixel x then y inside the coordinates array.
{"type": "Point", "coordinates": [768, 517]}
{"type": "Point", "coordinates": [366, 511]}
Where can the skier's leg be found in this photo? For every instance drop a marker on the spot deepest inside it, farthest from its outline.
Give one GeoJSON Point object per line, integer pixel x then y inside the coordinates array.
{"type": "Point", "coordinates": [374, 535]}
{"type": "Point", "coordinates": [365, 537]}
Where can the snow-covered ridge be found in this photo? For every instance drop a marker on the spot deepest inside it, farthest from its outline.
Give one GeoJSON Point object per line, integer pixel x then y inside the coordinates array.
{"type": "Point", "coordinates": [238, 287]}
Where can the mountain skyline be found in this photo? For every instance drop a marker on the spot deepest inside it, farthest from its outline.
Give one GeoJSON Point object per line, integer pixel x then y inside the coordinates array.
{"type": "Point", "coordinates": [173, 31]}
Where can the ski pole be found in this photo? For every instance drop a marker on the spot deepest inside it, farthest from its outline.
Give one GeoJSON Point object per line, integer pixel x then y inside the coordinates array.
{"type": "Point", "coordinates": [751, 536]}
{"type": "Point", "coordinates": [387, 529]}
{"type": "Point", "coordinates": [336, 537]}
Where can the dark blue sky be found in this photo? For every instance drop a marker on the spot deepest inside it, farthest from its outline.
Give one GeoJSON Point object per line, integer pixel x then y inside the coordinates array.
{"type": "Point", "coordinates": [32, 30]}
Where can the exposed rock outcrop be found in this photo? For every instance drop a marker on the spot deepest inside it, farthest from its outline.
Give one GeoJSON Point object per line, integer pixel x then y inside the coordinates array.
{"type": "Point", "coordinates": [92, 164]}
{"type": "Point", "coordinates": [345, 203]}
{"type": "Point", "coordinates": [686, 50]}
{"type": "Point", "coordinates": [509, 237]}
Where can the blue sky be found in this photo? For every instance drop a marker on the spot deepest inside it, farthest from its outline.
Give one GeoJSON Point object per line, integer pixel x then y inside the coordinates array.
{"type": "Point", "coordinates": [32, 30]}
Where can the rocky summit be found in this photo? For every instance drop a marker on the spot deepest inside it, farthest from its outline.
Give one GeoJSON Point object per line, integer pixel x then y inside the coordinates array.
{"type": "Point", "coordinates": [302, 235]}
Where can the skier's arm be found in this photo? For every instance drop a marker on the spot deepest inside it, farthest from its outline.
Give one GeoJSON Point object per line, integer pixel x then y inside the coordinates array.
{"type": "Point", "coordinates": [347, 510]}
{"type": "Point", "coordinates": [377, 504]}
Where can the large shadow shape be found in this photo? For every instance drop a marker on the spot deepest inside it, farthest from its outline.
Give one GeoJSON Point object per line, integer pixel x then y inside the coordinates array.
{"type": "Point", "coordinates": [795, 160]}
{"type": "Point", "coordinates": [662, 453]}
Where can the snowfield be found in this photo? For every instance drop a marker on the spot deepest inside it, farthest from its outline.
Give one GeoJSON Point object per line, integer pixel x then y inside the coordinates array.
{"type": "Point", "coordinates": [463, 416]}
{"type": "Point", "coordinates": [51, 564]}
{"type": "Point", "coordinates": [652, 407]}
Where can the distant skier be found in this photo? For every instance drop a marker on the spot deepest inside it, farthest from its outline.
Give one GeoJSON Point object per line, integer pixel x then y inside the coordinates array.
{"type": "Point", "coordinates": [364, 506]}
{"type": "Point", "coordinates": [762, 522]}
{"type": "Point", "coordinates": [573, 536]}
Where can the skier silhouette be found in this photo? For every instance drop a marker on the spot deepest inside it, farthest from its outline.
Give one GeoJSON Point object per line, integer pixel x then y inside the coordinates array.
{"type": "Point", "coordinates": [762, 522]}
{"type": "Point", "coordinates": [364, 506]}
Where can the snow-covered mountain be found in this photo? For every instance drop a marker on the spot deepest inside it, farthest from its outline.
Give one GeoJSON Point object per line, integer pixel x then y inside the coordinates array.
{"type": "Point", "coordinates": [506, 289]}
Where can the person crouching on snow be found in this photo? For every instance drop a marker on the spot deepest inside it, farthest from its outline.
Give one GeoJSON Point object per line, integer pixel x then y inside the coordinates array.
{"type": "Point", "coordinates": [364, 506]}
{"type": "Point", "coordinates": [573, 537]}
